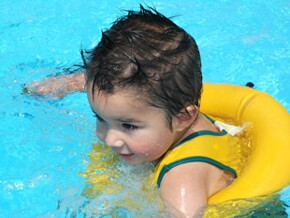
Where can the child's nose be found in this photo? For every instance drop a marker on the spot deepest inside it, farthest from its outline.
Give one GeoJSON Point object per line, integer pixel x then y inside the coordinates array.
{"type": "Point", "coordinates": [112, 139]}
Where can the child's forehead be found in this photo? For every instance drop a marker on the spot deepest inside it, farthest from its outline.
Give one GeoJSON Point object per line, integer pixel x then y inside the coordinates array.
{"type": "Point", "coordinates": [122, 96]}
{"type": "Point", "coordinates": [130, 97]}
{"type": "Point", "coordinates": [126, 104]}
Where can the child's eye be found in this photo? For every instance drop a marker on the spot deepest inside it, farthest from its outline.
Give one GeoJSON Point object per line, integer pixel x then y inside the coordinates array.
{"type": "Point", "coordinates": [128, 126]}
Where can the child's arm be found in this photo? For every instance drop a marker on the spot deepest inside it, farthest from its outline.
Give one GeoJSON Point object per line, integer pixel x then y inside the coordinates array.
{"type": "Point", "coordinates": [56, 87]}
{"type": "Point", "coordinates": [186, 188]}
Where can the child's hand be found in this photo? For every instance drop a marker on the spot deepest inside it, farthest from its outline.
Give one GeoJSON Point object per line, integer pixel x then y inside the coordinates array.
{"type": "Point", "coordinates": [56, 87]}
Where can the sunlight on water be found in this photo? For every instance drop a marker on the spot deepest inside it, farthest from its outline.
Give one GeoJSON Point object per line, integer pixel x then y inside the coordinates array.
{"type": "Point", "coordinates": [255, 207]}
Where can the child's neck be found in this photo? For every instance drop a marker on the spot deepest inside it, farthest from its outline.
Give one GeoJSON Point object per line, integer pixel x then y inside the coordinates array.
{"type": "Point", "coordinates": [203, 123]}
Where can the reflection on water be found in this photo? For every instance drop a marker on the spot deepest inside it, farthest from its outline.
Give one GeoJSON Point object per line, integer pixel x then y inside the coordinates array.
{"type": "Point", "coordinates": [264, 206]}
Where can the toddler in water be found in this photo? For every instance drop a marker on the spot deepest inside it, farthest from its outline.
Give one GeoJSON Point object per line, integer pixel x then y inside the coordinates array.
{"type": "Point", "coordinates": [144, 83]}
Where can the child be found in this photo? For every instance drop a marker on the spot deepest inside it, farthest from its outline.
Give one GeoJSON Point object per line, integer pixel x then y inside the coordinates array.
{"type": "Point", "coordinates": [144, 84]}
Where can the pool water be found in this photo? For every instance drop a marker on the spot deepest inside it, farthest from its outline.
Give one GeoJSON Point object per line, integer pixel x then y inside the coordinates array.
{"type": "Point", "coordinates": [45, 144]}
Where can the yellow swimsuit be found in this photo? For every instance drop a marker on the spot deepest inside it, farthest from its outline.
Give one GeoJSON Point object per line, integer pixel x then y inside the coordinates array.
{"type": "Point", "coordinates": [216, 148]}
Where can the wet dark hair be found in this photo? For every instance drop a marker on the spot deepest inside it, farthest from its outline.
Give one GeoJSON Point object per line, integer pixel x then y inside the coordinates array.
{"type": "Point", "coordinates": [147, 52]}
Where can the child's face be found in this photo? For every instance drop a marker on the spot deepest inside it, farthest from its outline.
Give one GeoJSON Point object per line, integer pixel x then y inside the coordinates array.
{"type": "Point", "coordinates": [135, 130]}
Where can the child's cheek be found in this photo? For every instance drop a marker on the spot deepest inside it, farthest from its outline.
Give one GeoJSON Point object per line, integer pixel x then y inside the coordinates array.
{"type": "Point", "coordinates": [140, 148]}
{"type": "Point", "coordinates": [152, 151]}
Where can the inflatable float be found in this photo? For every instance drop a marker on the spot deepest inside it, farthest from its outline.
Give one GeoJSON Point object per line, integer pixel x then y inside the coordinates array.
{"type": "Point", "coordinates": [267, 168]}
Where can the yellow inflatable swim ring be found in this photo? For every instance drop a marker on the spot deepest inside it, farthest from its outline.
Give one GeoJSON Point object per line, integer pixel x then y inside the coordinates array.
{"type": "Point", "coordinates": [267, 168]}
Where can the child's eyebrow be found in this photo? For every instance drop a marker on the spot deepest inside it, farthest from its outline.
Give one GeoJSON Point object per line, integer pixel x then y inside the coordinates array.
{"type": "Point", "coordinates": [122, 120]}
{"type": "Point", "coordinates": [128, 120]}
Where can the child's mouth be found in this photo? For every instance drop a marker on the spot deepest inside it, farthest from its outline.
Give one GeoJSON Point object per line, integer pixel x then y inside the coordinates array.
{"type": "Point", "coordinates": [126, 155]}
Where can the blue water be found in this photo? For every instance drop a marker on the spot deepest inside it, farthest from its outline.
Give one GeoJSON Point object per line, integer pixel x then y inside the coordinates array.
{"type": "Point", "coordinates": [44, 144]}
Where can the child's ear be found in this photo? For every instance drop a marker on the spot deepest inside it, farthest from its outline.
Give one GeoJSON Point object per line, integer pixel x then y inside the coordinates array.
{"type": "Point", "coordinates": [185, 118]}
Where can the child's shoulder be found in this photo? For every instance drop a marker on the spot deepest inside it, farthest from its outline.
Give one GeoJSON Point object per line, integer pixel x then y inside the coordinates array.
{"type": "Point", "coordinates": [189, 185]}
